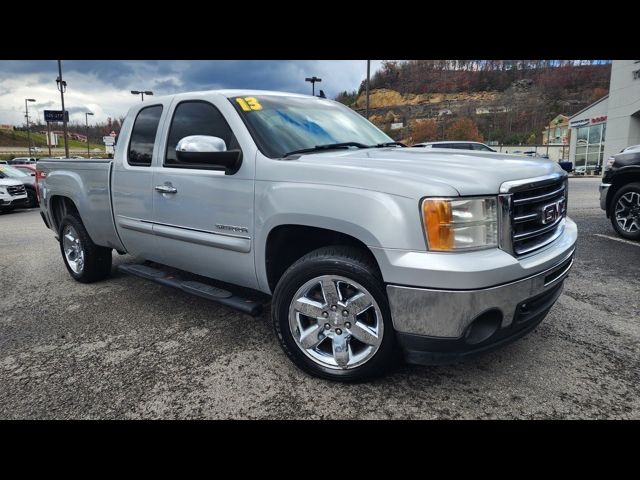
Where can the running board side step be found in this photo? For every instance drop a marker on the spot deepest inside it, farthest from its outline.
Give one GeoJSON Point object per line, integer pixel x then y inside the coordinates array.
{"type": "Point", "coordinates": [170, 278]}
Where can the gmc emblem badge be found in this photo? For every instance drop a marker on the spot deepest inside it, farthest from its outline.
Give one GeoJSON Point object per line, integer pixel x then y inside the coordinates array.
{"type": "Point", "coordinates": [551, 212]}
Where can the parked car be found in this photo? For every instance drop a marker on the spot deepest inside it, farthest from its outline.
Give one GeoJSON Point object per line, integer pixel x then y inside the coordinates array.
{"type": "Point", "coordinates": [31, 170]}
{"type": "Point", "coordinates": [3, 162]}
{"type": "Point", "coordinates": [22, 160]}
{"type": "Point", "coordinates": [620, 192]}
{"type": "Point", "coordinates": [28, 180]}
{"type": "Point", "coordinates": [362, 244]}
{"type": "Point", "coordinates": [458, 145]}
{"type": "Point", "coordinates": [12, 194]}
{"type": "Point", "coordinates": [36, 149]}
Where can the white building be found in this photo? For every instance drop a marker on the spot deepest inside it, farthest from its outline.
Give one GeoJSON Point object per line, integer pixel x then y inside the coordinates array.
{"type": "Point", "coordinates": [614, 118]}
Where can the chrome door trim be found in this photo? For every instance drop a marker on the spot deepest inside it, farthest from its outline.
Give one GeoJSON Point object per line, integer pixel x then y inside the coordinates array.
{"type": "Point", "coordinates": [137, 224]}
{"type": "Point", "coordinates": [212, 239]}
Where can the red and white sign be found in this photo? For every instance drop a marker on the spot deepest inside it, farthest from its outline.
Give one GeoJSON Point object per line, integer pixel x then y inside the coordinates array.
{"type": "Point", "coordinates": [602, 118]}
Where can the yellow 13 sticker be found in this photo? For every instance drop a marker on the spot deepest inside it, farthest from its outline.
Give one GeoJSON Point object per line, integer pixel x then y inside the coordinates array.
{"type": "Point", "coordinates": [249, 103]}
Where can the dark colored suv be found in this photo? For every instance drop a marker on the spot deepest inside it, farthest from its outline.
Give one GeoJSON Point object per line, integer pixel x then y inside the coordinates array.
{"type": "Point", "coordinates": [620, 192]}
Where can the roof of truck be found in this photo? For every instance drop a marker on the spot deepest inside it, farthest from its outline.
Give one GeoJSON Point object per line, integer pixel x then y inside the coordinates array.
{"type": "Point", "coordinates": [239, 93]}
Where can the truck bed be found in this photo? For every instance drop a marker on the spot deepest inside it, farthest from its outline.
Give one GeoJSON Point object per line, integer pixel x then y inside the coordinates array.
{"type": "Point", "coordinates": [87, 183]}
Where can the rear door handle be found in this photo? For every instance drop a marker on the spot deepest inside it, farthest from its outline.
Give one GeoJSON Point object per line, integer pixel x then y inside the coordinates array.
{"type": "Point", "coordinates": [166, 189]}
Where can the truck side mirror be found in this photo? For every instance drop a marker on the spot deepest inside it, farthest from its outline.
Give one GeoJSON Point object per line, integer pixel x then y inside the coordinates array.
{"type": "Point", "coordinates": [207, 152]}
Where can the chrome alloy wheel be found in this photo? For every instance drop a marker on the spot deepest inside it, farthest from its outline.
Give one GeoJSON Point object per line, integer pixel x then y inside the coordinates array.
{"type": "Point", "coordinates": [336, 322]}
{"type": "Point", "coordinates": [628, 212]}
{"type": "Point", "coordinates": [73, 252]}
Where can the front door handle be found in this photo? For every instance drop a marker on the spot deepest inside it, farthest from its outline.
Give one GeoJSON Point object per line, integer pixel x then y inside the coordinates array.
{"type": "Point", "coordinates": [166, 189]}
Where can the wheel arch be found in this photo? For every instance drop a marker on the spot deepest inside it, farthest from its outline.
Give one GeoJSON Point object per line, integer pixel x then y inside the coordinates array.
{"type": "Point", "coordinates": [287, 243]}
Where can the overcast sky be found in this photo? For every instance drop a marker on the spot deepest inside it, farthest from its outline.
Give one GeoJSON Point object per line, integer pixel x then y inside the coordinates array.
{"type": "Point", "coordinates": [103, 86]}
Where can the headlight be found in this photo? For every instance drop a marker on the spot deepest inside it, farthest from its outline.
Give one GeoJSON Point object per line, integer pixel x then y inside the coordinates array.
{"type": "Point", "coordinates": [460, 224]}
{"type": "Point", "coordinates": [2, 191]}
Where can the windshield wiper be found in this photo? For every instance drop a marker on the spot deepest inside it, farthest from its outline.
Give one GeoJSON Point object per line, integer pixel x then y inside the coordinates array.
{"type": "Point", "coordinates": [388, 144]}
{"type": "Point", "coordinates": [328, 146]}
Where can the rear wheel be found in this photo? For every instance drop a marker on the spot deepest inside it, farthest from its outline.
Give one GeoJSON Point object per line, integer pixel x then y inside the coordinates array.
{"type": "Point", "coordinates": [625, 211]}
{"type": "Point", "coordinates": [85, 261]}
{"type": "Point", "coordinates": [331, 315]}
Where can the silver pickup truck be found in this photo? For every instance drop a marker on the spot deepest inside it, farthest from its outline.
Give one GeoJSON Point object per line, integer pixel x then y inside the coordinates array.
{"type": "Point", "coordinates": [365, 248]}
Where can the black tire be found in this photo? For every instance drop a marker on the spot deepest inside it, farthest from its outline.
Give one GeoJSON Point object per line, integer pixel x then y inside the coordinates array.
{"type": "Point", "coordinates": [32, 198]}
{"type": "Point", "coordinates": [7, 209]}
{"type": "Point", "coordinates": [97, 260]}
{"type": "Point", "coordinates": [347, 262]}
{"type": "Point", "coordinates": [631, 187]}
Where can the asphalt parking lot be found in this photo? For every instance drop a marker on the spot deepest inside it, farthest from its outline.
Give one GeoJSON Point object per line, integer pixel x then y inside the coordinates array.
{"type": "Point", "coordinates": [126, 348]}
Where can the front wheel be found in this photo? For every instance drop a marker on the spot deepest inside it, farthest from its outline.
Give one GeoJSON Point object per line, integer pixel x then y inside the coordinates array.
{"type": "Point", "coordinates": [625, 211]}
{"type": "Point", "coordinates": [331, 315]}
{"type": "Point", "coordinates": [32, 198]}
{"type": "Point", "coordinates": [85, 261]}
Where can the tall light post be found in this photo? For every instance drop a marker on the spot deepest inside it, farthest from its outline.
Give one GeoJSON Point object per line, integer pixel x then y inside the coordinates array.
{"type": "Point", "coordinates": [86, 117]}
{"type": "Point", "coordinates": [62, 86]}
{"type": "Point", "coordinates": [313, 81]}
{"type": "Point", "coordinates": [142, 93]}
{"type": "Point", "coordinates": [367, 87]}
{"type": "Point", "coordinates": [26, 111]}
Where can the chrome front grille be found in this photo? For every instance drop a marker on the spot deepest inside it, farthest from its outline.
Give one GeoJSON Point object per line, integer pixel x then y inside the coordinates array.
{"type": "Point", "coordinates": [533, 213]}
{"type": "Point", "coordinates": [16, 190]}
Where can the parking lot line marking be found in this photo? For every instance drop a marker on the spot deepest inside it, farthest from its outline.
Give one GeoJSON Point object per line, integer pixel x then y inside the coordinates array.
{"type": "Point", "coordinates": [635, 244]}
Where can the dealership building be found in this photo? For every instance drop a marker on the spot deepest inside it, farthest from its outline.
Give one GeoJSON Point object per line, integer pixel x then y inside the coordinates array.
{"type": "Point", "coordinates": [611, 123]}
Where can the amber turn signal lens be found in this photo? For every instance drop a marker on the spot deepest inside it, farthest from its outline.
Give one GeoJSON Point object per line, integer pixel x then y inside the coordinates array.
{"type": "Point", "coordinates": [437, 218]}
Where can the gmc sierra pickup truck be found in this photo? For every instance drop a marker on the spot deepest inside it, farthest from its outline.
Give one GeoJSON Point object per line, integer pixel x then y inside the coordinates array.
{"type": "Point", "coordinates": [365, 248]}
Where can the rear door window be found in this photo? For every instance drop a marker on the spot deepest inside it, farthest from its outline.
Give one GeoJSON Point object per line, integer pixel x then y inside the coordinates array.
{"type": "Point", "coordinates": [143, 136]}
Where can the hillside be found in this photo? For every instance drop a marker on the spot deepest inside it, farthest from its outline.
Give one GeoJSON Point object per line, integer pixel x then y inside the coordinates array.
{"type": "Point", "coordinates": [508, 102]}
{"type": "Point", "coordinates": [18, 138]}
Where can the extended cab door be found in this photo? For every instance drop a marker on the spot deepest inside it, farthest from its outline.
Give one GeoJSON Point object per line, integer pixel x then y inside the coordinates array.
{"type": "Point", "coordinates": [203, 218]}
{"type": "Point", "coordinates": [132, 178]}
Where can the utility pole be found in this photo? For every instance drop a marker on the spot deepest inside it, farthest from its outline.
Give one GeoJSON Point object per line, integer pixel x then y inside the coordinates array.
{"type": "Point", "coordinates": [62, 86]}
{"type": "Point", "coordinates": [26, 111]}
{"type": "Point", "coordinates": [367, 88]}
{"type": "Point", "coordinates": [313, 81]}
{"type": "Point", "coordinates": [49, 137]}
{"type": "Point", "coordinates": [86, 117]}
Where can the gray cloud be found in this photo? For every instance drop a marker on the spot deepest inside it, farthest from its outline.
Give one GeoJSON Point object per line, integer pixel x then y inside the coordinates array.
{"type": "Point", "coordinates": [103, 86]}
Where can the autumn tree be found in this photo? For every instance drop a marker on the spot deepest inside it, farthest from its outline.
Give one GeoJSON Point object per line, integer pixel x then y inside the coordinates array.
{"type": "Point", "coordinates": [424, 131]}
{"type": "Point", "coordinates": [464, 129]}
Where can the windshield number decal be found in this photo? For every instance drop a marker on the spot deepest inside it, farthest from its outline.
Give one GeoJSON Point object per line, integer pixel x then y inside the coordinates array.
{"type": "Point", "coordinates": [248, 104]}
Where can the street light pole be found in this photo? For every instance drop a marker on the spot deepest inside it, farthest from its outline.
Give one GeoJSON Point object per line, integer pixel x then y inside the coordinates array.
{"type": "Point", "coordinates": [367, 87]}
{"type": "Point", "coordinates": [62, 86]}
{"type": "Point", "coordinates": [26, 111]}
{"type": "Point", "coordinates": [86, 117]}
{"type": "Point", "coordinates": [313, 81]}
{"type": "Point", "coordinates": [142, 93]}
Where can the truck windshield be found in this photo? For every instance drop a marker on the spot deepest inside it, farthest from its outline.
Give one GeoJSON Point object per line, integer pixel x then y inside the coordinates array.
{"type": "Point", "coordinates": [281, 124]}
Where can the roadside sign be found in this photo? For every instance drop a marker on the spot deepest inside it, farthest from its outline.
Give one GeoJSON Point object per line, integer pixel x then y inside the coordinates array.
{"type": "Point", "coordinates": [55, 115]}
{"type": "Point", "coordinates": [108, 140]}
{"type": "Point", "coordinates": [108, 149]}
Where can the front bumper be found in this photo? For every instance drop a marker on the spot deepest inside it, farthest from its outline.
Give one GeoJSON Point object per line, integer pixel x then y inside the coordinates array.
{"type": "Point", "coordinates": [14, 201]}
{"type": "Point", "coordinates": [433, 324]}
{"type": "Point", "coordinates": [604, 191]}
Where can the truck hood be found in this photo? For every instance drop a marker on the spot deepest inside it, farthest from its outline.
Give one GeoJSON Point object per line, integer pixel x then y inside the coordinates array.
{"type": "Point", "coordinates": [415, 172]}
